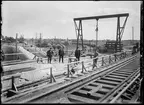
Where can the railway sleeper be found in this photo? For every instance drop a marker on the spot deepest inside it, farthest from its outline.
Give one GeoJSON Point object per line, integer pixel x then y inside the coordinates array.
{"type": "Point", "coordinates": [111, 79]}
{"type": "Point", "coordinates": [89, 87]}
{"type": "Point", "coordinates": [107, 82]}
{"type": "Point", "coordinates": [123, 73]}
{"type": "Point", "coordinates": [115, 77]}
{"type": "Point", "coordinates": [115, 74]}
{"type": "Point", "coordinates": [125, 70]}
{"type": "Point", "coordinates": [107, 86]}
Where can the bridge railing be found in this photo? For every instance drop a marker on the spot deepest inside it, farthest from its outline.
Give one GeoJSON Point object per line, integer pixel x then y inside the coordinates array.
{"type": "Point", "coordinates": [95, 62]}
{"type": "Point", "coordinates": [84, 67]}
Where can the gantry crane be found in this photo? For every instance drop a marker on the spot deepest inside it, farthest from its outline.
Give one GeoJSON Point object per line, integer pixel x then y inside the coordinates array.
{"type": "Point", "coordinates": [119, 33]}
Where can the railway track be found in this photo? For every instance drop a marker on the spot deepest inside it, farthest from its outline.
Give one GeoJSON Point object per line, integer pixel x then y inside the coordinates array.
{"type": "Point", "coordinates": [95, 88]}
{"type": "Point", "coordinates": [101, 90]}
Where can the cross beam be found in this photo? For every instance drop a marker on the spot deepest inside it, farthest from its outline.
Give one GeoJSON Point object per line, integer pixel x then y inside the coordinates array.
{"type": "Point", "coordinates": [119, 33]}
{"type": "Point", "coordinates": [102, 17]}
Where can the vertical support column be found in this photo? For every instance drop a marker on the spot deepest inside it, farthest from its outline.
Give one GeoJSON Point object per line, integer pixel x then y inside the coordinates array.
{"type": "Point", "coordinates": [96, 34]}
{"type": "Point", "coordinates": [79, 32]}
{"type": "Point", "coordinates": [117, 35]}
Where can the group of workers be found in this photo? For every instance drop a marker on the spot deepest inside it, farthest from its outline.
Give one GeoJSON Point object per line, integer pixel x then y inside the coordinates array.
{"type": "Point", "coordinates": [61, 54]}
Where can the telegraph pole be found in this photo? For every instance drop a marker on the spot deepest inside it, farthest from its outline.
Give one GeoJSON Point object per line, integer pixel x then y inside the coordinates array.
{"type": "Point", "coordinates": [132, 35]}
{"type": "Point", "coordinates": [40, 41]}
{"type": "Point", "coordinates": [16, 43]}
{"type": "Point", "coordinates": [35, 41]}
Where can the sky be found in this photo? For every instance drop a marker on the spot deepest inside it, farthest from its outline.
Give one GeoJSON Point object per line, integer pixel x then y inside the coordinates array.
{"type": "Point", "coordinates": [55, 18]}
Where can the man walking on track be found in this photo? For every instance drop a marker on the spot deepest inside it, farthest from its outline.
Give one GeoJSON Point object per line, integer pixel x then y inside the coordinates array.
{"type": "Point", "coordinates": [77, 54]}
{"type": "Point", "coordinates": [49, 55]}
{"type": "Point", "coordinates": [61, 54]}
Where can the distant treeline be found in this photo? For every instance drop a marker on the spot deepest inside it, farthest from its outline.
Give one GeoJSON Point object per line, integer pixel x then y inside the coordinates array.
{"type": "Point", "coordinates": [7, 39]}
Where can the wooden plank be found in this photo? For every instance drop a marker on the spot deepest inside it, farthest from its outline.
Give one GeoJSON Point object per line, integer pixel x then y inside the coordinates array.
{"type": "Point", "coordinates": [97, 95]}
{"type": "Point", "coordinates": [104, 90]}
{"type": "Point", "coordinates": [94, 90]}
{"type": "Point", "coordinates": [101, 89]}
{"type": "Point", "coordinates": [103, 85]}
{"type": "Point", "coordinates": [90, 87]}
{"type": "Point", "coordinates": [76, 98]}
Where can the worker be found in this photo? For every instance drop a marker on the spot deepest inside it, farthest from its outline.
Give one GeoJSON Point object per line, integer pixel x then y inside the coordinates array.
{"type": "Point", "coordinates": [49, 55]}
{"type": "Point", "coordinates": [77, 53]}
{"type": "Point", "coordinates": [95, 59]}
{"type": "Point", "coordinates": [133, 50]}
{"type": "Point", "coordinates": [61, 54]}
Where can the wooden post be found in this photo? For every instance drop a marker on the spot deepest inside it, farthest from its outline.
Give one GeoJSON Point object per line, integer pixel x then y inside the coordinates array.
{"type": "Point", "coordinates": [83, 68]}
{"type": "Point", "coordinates": [51, 76]}
{"type": "Point", "coordinates": [68, 70]}
{"type": "Point", "coordinates": [115, 57]}
{"type": "Point", "coordinates": [94, 63]}
{"type": "Point", "coordinates": [110, 60]}
{"type": "Point", "coordinates": [102, 61]}
{"type": "Point", "coordinates": [125, 54]}
{"type": "Point", "coordinates": [13, 84]}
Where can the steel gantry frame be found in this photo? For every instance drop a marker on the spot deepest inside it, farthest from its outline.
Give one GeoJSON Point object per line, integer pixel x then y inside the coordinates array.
{"type": "Point", "coordinates": [119, 33]}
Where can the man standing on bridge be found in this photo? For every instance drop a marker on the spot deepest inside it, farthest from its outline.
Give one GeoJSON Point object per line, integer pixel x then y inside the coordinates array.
{"type": "Point", "coordinates": [49, 55]}
{"type": "Point", "coordinates": [95, 60]}
{"type": "Point", "coordinates": [61, 54]}
{"type": "Point", "coordinates": [77, 53]}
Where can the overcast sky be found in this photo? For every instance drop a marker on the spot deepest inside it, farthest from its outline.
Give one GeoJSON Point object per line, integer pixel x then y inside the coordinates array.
{"type": "Point", "coordinates": [55, 18]}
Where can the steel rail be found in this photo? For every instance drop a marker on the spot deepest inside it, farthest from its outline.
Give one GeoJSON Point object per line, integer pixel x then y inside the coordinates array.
{"type": "Point", "coordinates": [121, 86]}
{"type": "Point", "coordinates": [115, 98]}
